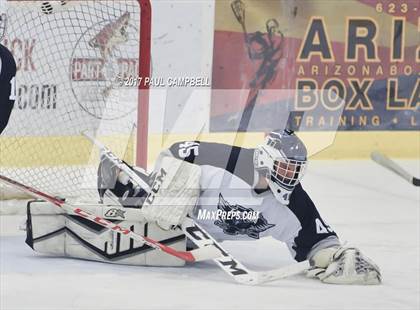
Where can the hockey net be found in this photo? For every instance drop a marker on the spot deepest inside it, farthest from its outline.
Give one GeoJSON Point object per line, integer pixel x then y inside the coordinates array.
{"type": "Point", "coordinates": [72, 57]}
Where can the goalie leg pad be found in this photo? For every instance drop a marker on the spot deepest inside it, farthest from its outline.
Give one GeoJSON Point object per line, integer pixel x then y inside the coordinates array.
{"type": "Point", "coordinates": [51, 231]}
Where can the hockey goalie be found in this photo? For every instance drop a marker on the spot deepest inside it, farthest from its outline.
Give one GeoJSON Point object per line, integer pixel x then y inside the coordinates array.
{"type": "Point", "coordinates": [234, 193]}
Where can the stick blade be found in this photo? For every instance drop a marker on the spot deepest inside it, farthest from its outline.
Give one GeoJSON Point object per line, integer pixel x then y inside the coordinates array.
{"type": "Point", "coordinates": [283, 272]}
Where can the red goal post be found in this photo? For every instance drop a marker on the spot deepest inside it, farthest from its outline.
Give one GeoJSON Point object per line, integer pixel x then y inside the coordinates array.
{"type": "Point", "coordinates": [144, 71]}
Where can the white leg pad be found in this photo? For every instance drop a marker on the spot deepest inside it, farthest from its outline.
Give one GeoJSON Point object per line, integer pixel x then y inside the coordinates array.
{"type": "Point", "coordinates": [51, 231]}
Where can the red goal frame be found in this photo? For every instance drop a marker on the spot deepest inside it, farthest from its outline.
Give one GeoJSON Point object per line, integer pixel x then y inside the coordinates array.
{"type": "Point", "coordinates": [144, 71]}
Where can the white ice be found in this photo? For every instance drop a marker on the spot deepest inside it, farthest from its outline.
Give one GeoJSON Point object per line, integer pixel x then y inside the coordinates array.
{"type": "Point", "coordinates": [367, 206]}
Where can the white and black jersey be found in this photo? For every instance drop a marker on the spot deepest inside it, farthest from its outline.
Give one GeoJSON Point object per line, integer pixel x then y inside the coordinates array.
{"type": "Point", "coordinates": [231, 208]}
{"type": "Point", "coordinates": [7, 85]}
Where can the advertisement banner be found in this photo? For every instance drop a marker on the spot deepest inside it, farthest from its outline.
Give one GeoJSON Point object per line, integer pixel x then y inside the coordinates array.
{"type": "Point", "coordinates": [316, 65]}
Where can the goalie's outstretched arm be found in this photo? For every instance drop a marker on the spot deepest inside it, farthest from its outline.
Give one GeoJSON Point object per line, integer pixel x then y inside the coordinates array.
{"type": "Point", "coordinates": [129, 194]}
{"type": "Point", "coordinates": [216, 155]}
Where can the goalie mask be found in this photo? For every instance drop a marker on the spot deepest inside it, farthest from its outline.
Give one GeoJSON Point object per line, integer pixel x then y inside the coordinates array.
{"type": "Point", "coordinates": [282, 160]}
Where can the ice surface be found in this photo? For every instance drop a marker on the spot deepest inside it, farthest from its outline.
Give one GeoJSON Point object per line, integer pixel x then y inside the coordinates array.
{"type": "Point", "coordinates": [366, 205]}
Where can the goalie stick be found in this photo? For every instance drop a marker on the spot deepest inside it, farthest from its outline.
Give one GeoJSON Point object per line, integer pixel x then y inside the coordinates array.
{"type": "Point", "coordinates": [386, 162]}
{"type": "Point", "coordinates": [200, 254]}
{"type": "Point", "coordinates": [232, 266]}
{"type": "Point", "coordinates": [203, 239]}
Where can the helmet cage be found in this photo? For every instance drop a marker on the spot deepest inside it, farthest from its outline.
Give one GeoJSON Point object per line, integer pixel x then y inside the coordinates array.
{"type": "Point", "coordinates": [288, 172]}
{"type": "Point", "coordinates": [281, 172]}
{"type": "Point", "coordinates": [285, 172]}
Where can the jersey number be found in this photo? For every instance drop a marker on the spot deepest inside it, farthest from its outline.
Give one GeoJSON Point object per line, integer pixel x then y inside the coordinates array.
{"type": "Point", "coordinates": [186, 148]}
{"type": "Point", "coordinates": [12, 89]}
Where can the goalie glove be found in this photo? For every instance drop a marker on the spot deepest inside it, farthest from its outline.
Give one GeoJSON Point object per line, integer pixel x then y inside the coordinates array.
{"type": "Point", "coordinates": [107, 175]}
{"type": "Point", "coordinates": [116, 184]}
{"type": "Point", "coordinates": [343, 265]}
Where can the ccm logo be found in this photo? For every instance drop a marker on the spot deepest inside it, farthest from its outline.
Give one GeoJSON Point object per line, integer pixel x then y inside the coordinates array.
{"type": "Point", "coordinates": [157, 183]}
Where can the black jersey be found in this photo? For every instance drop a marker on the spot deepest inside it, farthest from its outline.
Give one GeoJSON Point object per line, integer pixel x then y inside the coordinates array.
{"type": "Point", "coordinates": [7, 85]}
{"type": "Point", "coordinates": [230, 208]}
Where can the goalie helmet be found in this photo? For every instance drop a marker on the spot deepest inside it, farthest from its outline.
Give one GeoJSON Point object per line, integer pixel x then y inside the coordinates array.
{"type": "Point", "coordinates": [2, 18]}
{"type": "Point", "coordinates": [282, 160]}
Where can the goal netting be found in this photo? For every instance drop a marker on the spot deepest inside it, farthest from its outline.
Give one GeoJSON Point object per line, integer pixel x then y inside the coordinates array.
{"type": "Point", "coordinates": [72, 59]}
